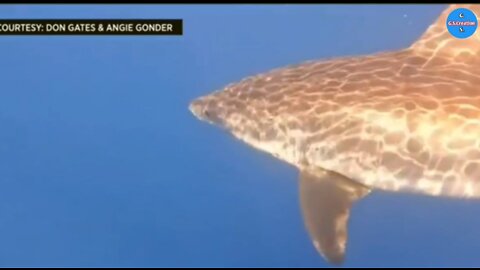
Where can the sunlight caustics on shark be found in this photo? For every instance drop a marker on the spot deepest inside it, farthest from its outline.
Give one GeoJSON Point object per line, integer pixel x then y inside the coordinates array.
{"type": "Point", "coordinates": [399, 121]}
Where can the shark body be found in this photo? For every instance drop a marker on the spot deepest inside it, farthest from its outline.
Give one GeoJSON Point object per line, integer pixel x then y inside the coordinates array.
{"type": "Point", "coordinates": [400, 121]}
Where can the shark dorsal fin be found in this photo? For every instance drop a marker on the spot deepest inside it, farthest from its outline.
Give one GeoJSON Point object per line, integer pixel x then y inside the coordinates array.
{"type": "Point", "coordinates": [438, 41]}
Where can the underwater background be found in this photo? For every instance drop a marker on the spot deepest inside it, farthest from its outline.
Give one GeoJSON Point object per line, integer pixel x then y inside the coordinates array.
{"type": "Point", "coordinates": [102, 164]}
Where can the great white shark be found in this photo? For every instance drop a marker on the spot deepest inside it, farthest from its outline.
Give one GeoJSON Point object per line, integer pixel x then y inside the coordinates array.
{"type": "Point", "coordinates": [397, 121]}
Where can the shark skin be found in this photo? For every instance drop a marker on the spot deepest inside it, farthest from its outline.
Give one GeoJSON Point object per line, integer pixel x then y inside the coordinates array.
{"type": "Point", "coordinates": [399, 121]}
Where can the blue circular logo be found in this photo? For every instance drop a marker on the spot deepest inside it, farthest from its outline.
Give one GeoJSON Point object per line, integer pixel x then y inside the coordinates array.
{"type": "Point", "coordinates": [462, 23]}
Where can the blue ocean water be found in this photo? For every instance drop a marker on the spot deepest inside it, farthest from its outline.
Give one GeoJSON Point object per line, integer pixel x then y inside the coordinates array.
{"type": "Point", "coordinates": [102, 164]}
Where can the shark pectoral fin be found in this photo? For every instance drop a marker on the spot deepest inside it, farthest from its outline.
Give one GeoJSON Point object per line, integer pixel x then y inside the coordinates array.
{"type": "Point", "coordinates": [326, 198]}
